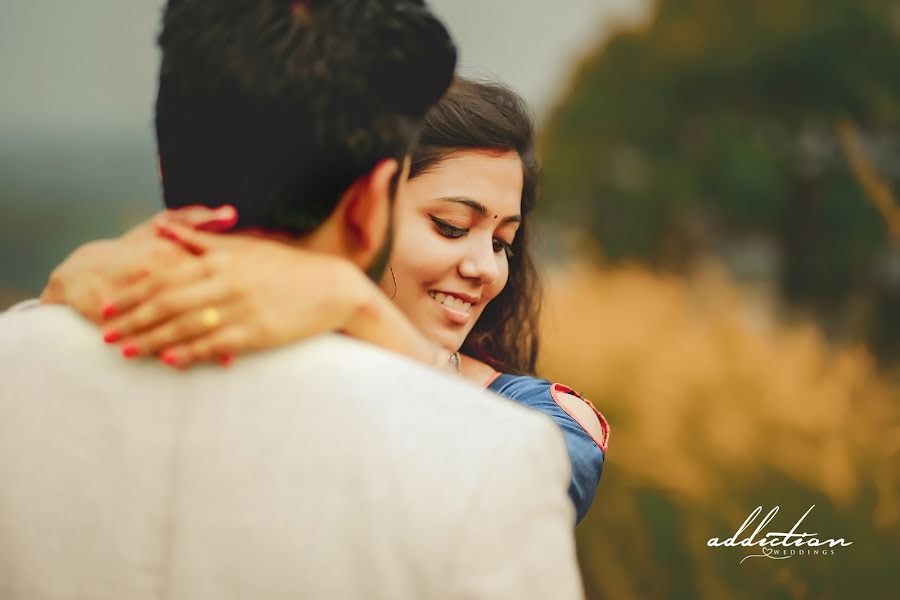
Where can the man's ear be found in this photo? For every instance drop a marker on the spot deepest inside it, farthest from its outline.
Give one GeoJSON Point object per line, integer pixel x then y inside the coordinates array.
{"type": "Point", "coordinates": [368, 211]}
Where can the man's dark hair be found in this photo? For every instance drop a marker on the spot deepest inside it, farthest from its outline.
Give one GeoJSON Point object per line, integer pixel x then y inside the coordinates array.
{"type": "Point", "coordinates": [278, 106]}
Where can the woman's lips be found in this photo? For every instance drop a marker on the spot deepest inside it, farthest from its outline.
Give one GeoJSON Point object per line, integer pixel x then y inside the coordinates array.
{"type": "Point", "coordinates": [456, 310]}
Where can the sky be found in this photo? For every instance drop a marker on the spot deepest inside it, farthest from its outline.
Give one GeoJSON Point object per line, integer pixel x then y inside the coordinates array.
{"type": "Point", "coordinates": [90, 65]}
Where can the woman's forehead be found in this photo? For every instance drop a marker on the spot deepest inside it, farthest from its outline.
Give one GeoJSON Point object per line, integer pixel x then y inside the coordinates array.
{"type": "Point", "coordinates": [489, 178]}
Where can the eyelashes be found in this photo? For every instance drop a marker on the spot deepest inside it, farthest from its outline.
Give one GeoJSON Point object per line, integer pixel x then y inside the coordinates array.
{"type": "Point", "coordinates": [451, 231]}
{"type": "Point", "coordinates": [502, 246]}
{"type": "Point", "coordinates": [448, 230]}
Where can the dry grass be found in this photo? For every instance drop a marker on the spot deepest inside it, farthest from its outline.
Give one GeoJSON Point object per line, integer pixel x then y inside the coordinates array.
{"type": "Point", "coordinates": [715, 408]}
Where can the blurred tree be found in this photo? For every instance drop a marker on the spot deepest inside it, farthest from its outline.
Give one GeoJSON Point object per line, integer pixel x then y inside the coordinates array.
{"type": "Point", "coordinates": [724, 119]}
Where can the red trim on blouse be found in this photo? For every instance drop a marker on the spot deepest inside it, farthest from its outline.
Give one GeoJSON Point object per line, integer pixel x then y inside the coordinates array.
{"type": "Point", "coordinates": [558, 388]}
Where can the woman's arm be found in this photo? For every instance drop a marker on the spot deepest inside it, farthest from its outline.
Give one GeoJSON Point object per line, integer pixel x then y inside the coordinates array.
{"type": "Point", "coordinates": [586, 415]}
{"type": "Point", "coordinates": [587, 451]}
{"type": "Point", "coordinates": [227, 295]}
{"type": "Point", "coordinates": [378, 321]}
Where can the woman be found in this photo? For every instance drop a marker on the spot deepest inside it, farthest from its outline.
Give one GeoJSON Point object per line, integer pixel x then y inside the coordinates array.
{"type": "Point", "coordinates": [461, 275]}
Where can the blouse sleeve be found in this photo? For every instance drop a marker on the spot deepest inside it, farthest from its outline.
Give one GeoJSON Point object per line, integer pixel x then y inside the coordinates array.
{"type": "Point", "coordinates": [586, 452]}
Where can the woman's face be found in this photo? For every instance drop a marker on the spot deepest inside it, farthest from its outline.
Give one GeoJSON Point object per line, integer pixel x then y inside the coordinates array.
{"type": "Point", "coordinates": [454, 226]}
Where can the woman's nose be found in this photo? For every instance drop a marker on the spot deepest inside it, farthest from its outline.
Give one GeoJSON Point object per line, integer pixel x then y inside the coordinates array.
{"type": "Point", "coordinates": [480, 263]}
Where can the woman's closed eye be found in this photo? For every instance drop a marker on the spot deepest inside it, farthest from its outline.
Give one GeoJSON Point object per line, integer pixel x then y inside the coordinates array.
{"type": "Point", "coordinates": [454, 232]}
{"type": "Point", "coordinates": [503, 246]}
{"type": "Point", "coordinates": [448, 230]}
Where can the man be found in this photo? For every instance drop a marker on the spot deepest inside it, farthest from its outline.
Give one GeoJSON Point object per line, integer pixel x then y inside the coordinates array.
{"type": "Point", "coordinates": [329, 469]}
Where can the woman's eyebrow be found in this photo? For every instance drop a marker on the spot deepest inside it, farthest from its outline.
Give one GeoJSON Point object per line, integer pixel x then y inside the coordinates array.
{"type": "Point", "coordinates": [479, 208]}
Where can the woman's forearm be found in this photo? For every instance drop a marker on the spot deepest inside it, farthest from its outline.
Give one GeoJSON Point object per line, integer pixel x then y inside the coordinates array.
{"type": "Point", "coordinates": [378, 321]}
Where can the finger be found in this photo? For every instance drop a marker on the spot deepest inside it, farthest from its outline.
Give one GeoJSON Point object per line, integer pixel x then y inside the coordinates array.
{"type": "Point", "coordinates": [197, 242]}
{"type": "Point", "coordinates": [203, 218]}
{"type": "Point", "coordinates": [226, 218]}
{"type": "Point", "coordinates": [86, 298]}
{"type": "Point", "coordinates": [167, 305]}
{"type": "Point", "coordinates": [220, 346]}
{"type": "Point", "coordinates": [138, 294]}
{"type": "Point", "coordinates": [128, 259]}
{"type": "Point", "coordinates": [181, 329]}
{"type": "Point", "coordinates": [173, 232]}
{"type": "Point", "coordinates": [143, 275]}
{"type": "Point", "coordinates": [93, 272]}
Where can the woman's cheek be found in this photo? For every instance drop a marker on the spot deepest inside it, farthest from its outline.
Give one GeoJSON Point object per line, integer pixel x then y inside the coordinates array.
{"type": "Point", "coordinates": [413, 236]}
{"type": "Point", "coordinates": [429, 254]}
{"type": "Point", "coordinates": [418, 266]}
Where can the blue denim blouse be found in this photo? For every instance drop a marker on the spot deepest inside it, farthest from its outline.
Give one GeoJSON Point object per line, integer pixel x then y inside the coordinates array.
{"type": "Point", "coordinates": [586, 453]}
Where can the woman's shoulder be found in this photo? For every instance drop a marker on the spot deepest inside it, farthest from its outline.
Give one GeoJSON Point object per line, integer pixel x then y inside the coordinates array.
{"type": "Point", "coordinates": [518, 385]}
{"type": "Point", "coordinates": [532, 390]}
{"type": "Point", "coordinates": [522, 386]}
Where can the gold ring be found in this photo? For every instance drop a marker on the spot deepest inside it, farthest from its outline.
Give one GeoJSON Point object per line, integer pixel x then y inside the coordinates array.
{"type": "Point", "coordinates": [211, 317]}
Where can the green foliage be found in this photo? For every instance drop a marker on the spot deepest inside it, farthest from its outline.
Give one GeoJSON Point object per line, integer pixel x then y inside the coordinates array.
{"type": "Point", "coordinates": [718, 120]}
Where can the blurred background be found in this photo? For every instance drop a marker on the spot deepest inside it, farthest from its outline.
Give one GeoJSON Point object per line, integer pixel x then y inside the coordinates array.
{"type": "Point", "coordinates": [720, 235]}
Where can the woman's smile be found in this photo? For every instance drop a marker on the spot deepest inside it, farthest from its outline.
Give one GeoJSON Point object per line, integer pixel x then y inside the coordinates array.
{"type": "Point", "coordinates": [456, 309]}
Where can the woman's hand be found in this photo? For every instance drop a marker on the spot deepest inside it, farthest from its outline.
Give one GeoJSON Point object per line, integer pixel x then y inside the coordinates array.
{"type": "Point", "coordinates": [165, 288]}
{"type": "Point", "coordinates": [100, 270]}
{"type": "Point", "coordinates": [235, 294]}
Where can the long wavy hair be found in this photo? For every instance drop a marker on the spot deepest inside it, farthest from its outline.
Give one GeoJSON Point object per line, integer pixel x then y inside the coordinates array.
{"type": "Point", "coordinates": [480, 115]}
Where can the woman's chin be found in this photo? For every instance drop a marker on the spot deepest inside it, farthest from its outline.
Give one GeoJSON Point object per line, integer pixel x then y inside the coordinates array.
{"type": "Point", "coordinates": [450, 340]}
{"type": "Point", "coordinates": [439, 329]}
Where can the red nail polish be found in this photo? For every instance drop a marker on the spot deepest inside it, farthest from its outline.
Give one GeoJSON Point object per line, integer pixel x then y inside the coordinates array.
{"type": "Point", "coordinates": [168, 358]}
{"type": "Point", "coordinates": [167, 233]}
{"type": "Point", "coordinates": [110, 310]}
{"type": "Point", "coordinates": [111, 337]}
{"type": "Point", "coordinates": [215, 226]}
{"type": "Point", "coordinates": [129, 351]}
{"type": "Point", "coordinates": [226, 360]}
{"type": "Point", "coordinates": [226, 218]}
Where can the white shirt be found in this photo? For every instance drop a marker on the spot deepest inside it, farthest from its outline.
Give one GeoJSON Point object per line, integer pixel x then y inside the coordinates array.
{"type": "Point", "coordinates": [329, 469]}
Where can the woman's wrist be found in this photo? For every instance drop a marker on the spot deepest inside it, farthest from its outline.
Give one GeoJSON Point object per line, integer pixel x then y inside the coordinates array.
{"type": "Point", "coordinates": [353, 291]}
{"type": "Point", "coordinates": [374, 318]}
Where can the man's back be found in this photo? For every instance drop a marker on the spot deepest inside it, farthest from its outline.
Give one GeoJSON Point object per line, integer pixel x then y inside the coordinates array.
{"type": "Point", "coordinates": [326, 470]}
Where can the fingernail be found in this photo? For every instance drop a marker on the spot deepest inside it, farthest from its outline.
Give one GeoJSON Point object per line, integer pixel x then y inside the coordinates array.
{"type": "Point", "coordinates": [110, 310]}
{"type": "Point", "coordinates": [214, 226]}
{"type": "Point", "coordinates": [226, 217]}
{"type": "Point", "coordinates": [111, 336]}
{"type": "Point", "coordinates": [129, 351]}
{"type": "Point", "coordinates": [226, 360]}
{"type": "Point", "coordinates": [168, 358]}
